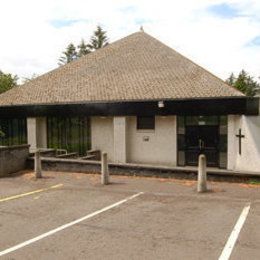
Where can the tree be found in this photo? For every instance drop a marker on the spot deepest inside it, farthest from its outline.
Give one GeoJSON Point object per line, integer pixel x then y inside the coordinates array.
{"type": "Point", "coordinates": [83, 49]}
{"type": "Point", "coordinates": [69, 55]}
{"type": "Point", "coordinates": [98, 40]}
{"type": "Point", "coordinates": [245, 83]}
{"type": "Point", "coordinates": [231, 79]}
{"type": "Point", "coordinates": [26, 80]}
{"type": "Point", "coordinates": [7, 81]}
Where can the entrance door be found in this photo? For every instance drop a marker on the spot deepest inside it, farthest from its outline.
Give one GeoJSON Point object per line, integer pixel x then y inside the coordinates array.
{"type": "Point", "coordinates": [202, 139]}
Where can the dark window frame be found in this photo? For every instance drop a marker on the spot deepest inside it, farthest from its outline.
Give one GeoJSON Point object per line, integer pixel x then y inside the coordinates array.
{"type": "Point", "coordinates": [182, 123]}
{"type": "Point", "coordinates": [70, 133]}
{"type": "Point", "coordinates": [145, 123]}
{"type": "Point", "coordinates": [14, 130]}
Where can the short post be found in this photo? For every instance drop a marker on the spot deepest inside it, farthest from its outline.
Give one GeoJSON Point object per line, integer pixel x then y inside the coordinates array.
{"type": "Point", "coordinates": [202, 174]}
{"type": "Point", "coordinates": [37, 164]}
{"type": "Point", "coordinates": [104, 169]}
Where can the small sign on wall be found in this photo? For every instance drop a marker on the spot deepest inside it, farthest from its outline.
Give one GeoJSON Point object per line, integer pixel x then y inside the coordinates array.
{"type": "Point", "coordinates": [146, 138]}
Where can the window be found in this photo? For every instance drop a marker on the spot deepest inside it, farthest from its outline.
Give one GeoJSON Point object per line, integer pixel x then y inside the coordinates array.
{"type": "Point", "coordinates": [202, 120]}
{"type": "Point", "coordinates": [14, 131]}
{"type": "Point", "coordinates": [70, 133]}
{"type": "Point", "coordinates": [145, 123]}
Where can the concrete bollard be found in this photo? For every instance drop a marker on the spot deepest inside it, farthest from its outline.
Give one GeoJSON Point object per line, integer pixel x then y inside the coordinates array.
{"type": "Point", "coordinates": [104, 169]}
{"type": "Point", "coordinates": [37, 164]}
{"type": "Point", "coordinates": [202, 174]}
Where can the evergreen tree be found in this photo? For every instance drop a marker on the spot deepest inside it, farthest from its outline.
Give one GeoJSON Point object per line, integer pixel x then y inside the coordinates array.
{"type": "Point", "coordinates": [83, 49]}
{"type": "Point", "coordinates": [69, 55]}
{"type": "Point", "coordinates": [245, 83]}
{"type": "Point", "coordinates": [231, 79]}
{"type": "Point", "coordinates": [26, 80]}
{"type": "Point", "coordinates": [7, 81]}
{"type": "Point", "coordinates": [98, 40]}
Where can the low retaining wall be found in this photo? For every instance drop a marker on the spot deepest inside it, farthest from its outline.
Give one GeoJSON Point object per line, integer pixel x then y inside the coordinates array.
{"type": "Point", "coordinates": [129, 169]}
{"type": "Point", "coordinates": [13, 159]}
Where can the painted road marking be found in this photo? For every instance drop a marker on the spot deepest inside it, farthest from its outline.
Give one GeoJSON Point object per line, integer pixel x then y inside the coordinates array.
{"type": "Point", "coordinates": [51, 232]}
{"type": "Point", "coordinates": [30, 193]}
{"type": "Point", "coordinates": [234, 234]}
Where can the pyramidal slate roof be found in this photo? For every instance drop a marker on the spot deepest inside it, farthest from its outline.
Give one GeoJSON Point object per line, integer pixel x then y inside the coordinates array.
{"type": "Point", "coordinates": [137, 67]}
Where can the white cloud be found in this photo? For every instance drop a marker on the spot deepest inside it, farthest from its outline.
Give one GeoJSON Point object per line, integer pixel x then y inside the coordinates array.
{"type": "Point", "coordinates": [31, 44]}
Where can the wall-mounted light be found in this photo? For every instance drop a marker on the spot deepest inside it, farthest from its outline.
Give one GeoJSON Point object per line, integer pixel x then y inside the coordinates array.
{"type": "Point", "coordinates": [160, 104]}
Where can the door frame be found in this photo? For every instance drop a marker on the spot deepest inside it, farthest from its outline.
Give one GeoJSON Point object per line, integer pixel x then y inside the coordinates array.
{"type": "Point", "coordinates": [219, 120]}
{"type": "Point", "coordinates": [211, 164]}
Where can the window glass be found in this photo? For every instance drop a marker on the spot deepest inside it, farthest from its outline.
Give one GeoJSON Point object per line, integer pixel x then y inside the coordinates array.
{"type": "Point", "coordinates": [202, 120]}
{"type": "Point", "coordinates": [69, 133]}
{"type": "Point", "coordinates": [196, 121]}
{"type": "Point", "coordinates": [145, 122]}
{"type": "Point", "coordinates": [13, 131]}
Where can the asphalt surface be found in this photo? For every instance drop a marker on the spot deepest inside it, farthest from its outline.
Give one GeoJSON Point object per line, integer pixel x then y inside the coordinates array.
{"type": "Point", "coordinates": [169, 221]}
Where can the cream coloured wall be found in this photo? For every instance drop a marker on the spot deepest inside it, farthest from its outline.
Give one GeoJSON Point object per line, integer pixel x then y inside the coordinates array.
{"type": "Point", "coordinates": [232, 143]}
{"type": "Point", "coordinates": [42, 132]}
{"type": "Point", "coordinates": [249, 160]}
{"type": "Point", "coordinates": [120, 130]}
{"type": "Point", "coordinates": [102, 135]}
{"type": "Point", "coordinates": [119, 137]}
{"type": "Point", "coordinates": [153, 146]}
{"type": "Point", "coordinates": [37, 132]}
{"type": "Point", "coordinates": [32, 133]}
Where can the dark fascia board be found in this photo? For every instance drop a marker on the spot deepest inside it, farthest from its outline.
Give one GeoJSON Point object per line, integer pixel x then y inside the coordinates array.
{"type": "Point", "coordinates": [209, 106]}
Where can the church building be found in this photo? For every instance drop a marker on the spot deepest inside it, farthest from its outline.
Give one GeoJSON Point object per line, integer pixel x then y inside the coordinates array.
{"type": "Point", "coordinates": [142, 103]}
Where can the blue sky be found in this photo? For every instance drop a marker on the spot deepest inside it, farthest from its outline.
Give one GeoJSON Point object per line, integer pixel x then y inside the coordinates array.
{"type": "Point", "coordinates": [64, 23]}
{"type": "Point", "coordinates": [222, 36]}
{"type": "Point", "coordinates": [255, 42]}
{"type": "Point", "coordinates": [224, 10]}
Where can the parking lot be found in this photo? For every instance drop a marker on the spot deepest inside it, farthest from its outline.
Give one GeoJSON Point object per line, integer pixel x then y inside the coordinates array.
{"type": "Point", "coordinates": [72, 216]}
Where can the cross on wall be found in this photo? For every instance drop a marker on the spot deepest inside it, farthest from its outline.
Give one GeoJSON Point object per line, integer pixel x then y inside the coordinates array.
{"type": "Point", "coordinates": [240, 136]}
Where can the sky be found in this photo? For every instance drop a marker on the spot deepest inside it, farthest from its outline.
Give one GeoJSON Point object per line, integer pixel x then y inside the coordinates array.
{"type": "Point", "coordinates": [221, 36]}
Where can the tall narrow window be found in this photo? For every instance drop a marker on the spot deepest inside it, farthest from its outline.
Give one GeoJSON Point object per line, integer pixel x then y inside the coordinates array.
{"type": "Point", "coordinates": [181, 140]}
{"type": "Point", "coordinates": [70, 133]}
{"type": "Point", "coordinates": [223, 142]}
{"type": "Point", "coordinates": [13, 131]}
{"type": "Point", "coordinates": [145, 123]}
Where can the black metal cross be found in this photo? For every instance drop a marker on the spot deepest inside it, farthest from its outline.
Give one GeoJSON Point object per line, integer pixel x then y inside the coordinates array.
{"type": "Point", "coordinates": [240, 136]}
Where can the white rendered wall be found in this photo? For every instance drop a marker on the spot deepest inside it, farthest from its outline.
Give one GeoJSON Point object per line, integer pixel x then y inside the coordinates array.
{"type": "Point", "coordinates": [102, 135]}
{"type": "Point", "coordinates": [37, 132]}
{"type": "Point", "coordinates": [42, 132]}
{"type": "Point", "coordinates": [119, 137]}
{"type": "Point", "coordinates": [120, 124]}
{"type": "Point", "coordinates": [249, 160]}
{"type": "Point", "coordinates": [31, 133]}
{"type": "Point", "coordinates": [157, 146]}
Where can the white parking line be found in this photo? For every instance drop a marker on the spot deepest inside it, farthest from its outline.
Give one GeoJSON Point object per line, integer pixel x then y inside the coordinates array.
{"type": "Point", "coordinates": [234, 234]}
{"type": "Point", "coordinates": [51, 232]}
